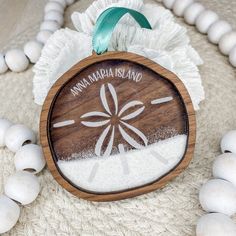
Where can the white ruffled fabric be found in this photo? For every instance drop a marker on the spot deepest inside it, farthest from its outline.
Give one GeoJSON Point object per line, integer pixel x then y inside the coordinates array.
{"type": "Point", "coordinates": [167, 44]}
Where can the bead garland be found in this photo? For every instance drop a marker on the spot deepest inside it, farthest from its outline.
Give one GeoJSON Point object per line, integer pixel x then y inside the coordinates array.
{"type": "Point", "coordinates": [218, 31]}
{"type": "Point", "coordinates": [17, 60]}
{"type": "Point", "coordinates": [23, 186]}
{"type": "Point", "coordinates": [217, 196]}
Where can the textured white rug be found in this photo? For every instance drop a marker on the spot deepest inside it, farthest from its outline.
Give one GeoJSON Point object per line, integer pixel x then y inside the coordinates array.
{"type": "Point", "coordinates": [172, 211]}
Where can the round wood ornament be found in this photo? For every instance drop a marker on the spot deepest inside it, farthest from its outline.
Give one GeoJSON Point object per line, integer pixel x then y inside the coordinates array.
{"type": "Point", "coordinates": [117, 125]}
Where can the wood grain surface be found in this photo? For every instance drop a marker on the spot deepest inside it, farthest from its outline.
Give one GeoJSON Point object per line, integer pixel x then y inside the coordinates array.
{"type": "Point", "coordinates": [157, 122]}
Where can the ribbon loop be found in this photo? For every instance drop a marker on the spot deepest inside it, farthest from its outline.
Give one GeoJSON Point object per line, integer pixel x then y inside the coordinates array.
{"type": "Point", "coordinates": [106, 23]}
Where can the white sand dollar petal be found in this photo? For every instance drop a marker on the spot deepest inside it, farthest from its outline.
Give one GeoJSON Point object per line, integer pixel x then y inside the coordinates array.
{"type": "Point", "coordinates": [129, 139]}
{"type": "Point", "coordinates": [95, 113]}
{"type": "Point", "coordinates": [136, 131]}
{"type": "Point", "coordinates": [98, 147]}
{"type": "Point", "coordinates": [104, 99]}
{"type": "Point", "coordinates": [95, 123]}
{"type": "Point", "coordinates": [114, 96]}
{"type": "Point", "coordinates": [133, 114]}
{"type": "Point", "coordinates": [107, 153]}
{"type": "Point", "coordinates": [129, 105]}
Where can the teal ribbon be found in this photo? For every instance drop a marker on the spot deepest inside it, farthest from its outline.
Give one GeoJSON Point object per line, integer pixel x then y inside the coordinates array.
{"type": "Point", "coordinates": [106, 23]}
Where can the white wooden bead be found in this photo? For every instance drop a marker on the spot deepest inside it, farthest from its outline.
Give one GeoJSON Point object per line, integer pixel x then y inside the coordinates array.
{"type": "Point", "coordinates": [54, 15]}
{"type": "Point", "coordinates": [69, 2]}
{"type": "Point", "coordinates": [180, 6]}
{"type": "Point", "coordinates": [53, 6]}
{"type": "Point", "coordinates": [169, 3]}
{"type": "Point", "coordinates": [9, 214]}
{"type": "Point", "coordinates": [3, 65]}
{"type": "Point", "coordinates": [4, 126]}
{"type": "Point", "coordinates": [227, 42]}
{"type": "Point", "coordinates": [17, 135]}
{"type": "Point", "coordinates": [232, 57]}
{"type": "Point", "coordinates": [62, 2]}
{"type": "Point", "coordinates": [22, 187]}
{"type": "Point", "coordinates": [218, 195]}
{"type": "Point", "coordinates": [30, 158]}
{"type": "Point", "coordinates": [192, 12]}
{"type": "Point", "coordinates": [16, 60]}
{"type": "Point", "coordinates": [215, 224]}
{"type": "Point", "coordinates": [43, 36]}
{"type": "Point", "coordinates": [50, 25]}
{"type": "Point", "coordinates": [217, 30]}
{"type": "Point", "coordinates": [205, 20]}
{"type": "Point", "coordinates": [224, 167]}
{"type": "Point", "coordinates": [32, 50]}
{"type": "Point", "coordinates": [228, 142]}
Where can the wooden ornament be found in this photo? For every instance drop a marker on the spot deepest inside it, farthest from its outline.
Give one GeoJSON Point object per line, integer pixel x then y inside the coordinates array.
{"type": "Point", "coordinates": [115, 126]}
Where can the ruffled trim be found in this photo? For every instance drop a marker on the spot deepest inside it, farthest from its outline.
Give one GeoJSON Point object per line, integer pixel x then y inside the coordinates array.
{"type": "Point", "coordinates": [62, 51]}
{"type": "Point", "coordinates": [165, 38]}
{"type": "Point", "coordinates": [85, 21]}
{"type": "Point", "coordinates": [167, 44]}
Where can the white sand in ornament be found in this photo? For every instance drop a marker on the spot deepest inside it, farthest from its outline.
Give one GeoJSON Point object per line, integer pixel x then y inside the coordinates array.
{"type": "Point", "coordinates": [132, 169]}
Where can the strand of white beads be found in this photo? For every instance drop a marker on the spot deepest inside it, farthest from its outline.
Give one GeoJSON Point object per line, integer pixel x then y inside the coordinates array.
{"type": "Point", "coordinates": [21, 188]}
{"type": "Point", "coordinates": [218, 195]}
{"type": "Point", "coordinates": [207, 22]}
{"type": "Point", "coordinates": [17, 60]}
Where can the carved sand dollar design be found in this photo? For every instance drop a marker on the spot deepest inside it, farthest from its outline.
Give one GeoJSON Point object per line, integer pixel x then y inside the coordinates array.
{"type": "Point", "coordinates": [116, 126]}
